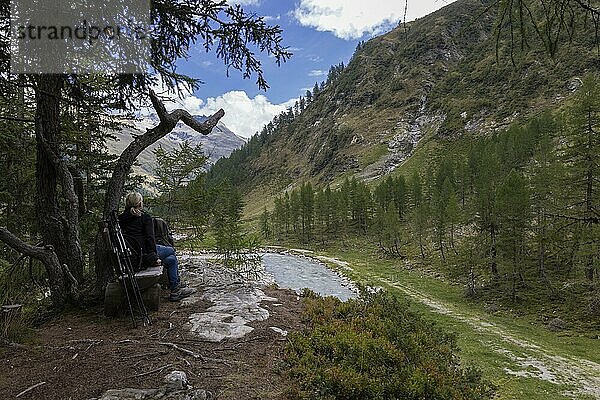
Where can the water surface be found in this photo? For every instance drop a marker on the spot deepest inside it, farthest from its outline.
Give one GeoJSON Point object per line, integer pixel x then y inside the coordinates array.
{"type": "Point", "coordinates": [297, 273]}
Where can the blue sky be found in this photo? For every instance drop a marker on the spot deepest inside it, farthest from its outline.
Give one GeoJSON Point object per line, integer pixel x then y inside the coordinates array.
{"type": "Point", "coordinates": [320, 33]}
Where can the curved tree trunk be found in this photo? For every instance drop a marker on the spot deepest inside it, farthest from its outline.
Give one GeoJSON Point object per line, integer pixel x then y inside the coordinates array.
{"type": "Point", "coordinates": [58, 288]}
{"type": "Point", "coordinates": [114, 191]}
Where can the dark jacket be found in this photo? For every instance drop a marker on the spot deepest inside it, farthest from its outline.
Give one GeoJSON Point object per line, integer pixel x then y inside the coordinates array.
{"type": "Point", "coordinates": [139, 234]}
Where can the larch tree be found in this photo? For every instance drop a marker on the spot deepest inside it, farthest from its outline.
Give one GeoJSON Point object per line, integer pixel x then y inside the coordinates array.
{"type": "Point", "coordinates": [175, 169]}
{"type": "Point", "coordinates": [582, 159]}
{"type": "Point", "coordinates": [513, 211]}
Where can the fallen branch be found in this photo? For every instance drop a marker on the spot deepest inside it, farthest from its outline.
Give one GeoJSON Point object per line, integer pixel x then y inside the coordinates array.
{"type": "Point", "coordinates": [152, 353]}
{"type": "Point", "coordinates": [150, 372]}
{"type": "Point", "coordinates": [181, 349]}
{"type": "Point", "coordinates": [30, 388]}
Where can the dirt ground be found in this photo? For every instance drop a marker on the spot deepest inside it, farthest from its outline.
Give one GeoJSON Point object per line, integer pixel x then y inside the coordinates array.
{"type": "Point", "coordinates": [81, 356]}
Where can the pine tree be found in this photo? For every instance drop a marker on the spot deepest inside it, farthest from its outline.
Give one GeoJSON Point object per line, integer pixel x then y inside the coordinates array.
{"type": "Point", "coordinates": [420, 212]}
{"type": "Point", "coordinates": [321, 223]}
{"type": "Point", "coordinates": [442, 193]}
{"type": "Point", "coordinates": [307, 211]}
{"type": "Point", "coordinates": [175, 169]}
{"type": "Point", "coordinates": [265, 224]}
{"type": "Point", "coordinates": [486, 169]}
{"type": "Point", "coordinates": [582, 153]}
{"type": "Point", "coordinates": [514, 214]}
{"type": "Point", "coordinates": [316, 91]}
{"type": "Point", "coordinates": [296, 214]}
{"type": "Point", "coordinates": [544, 172]}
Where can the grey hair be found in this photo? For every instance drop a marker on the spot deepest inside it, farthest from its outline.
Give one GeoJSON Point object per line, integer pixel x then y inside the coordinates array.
{"type": "Point", "coordinates": [134, 203]}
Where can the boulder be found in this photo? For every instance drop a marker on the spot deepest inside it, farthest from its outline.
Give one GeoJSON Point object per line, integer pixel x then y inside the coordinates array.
{"type": "Point", "coordinates": [556, 325]}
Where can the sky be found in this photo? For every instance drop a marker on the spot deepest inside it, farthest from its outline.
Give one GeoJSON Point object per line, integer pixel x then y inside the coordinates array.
{"type": "Point", "coordinates": [319, 33]}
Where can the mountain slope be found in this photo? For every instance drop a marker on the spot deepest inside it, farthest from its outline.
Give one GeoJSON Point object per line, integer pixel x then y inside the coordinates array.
{"type": "Point", "coordinates": [219, 143]}
{"type": "Point", "coordinates": [433, 83]}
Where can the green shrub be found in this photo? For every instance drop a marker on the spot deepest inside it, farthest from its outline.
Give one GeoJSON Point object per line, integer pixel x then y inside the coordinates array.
{"type": "Point", "coordinates": [375, 348]}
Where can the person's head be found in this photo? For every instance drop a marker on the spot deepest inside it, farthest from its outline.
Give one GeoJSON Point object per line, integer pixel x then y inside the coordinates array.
{"type": "Point", "coordinates": [134, 203]}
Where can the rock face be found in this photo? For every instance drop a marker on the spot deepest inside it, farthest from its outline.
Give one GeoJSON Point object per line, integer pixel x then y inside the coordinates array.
{"type": "Point", "coordinates": [235, 304]}
{"type": "Point", "coordinates": [175, 388]}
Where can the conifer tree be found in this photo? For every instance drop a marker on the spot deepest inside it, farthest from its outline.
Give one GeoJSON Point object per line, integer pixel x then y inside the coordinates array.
{"type": "Point", "coordinates": [485, 186]}
{"type": "Point", "coordinates": [582, 156]}
{"type": "Point", "coordinates": [307, 210]}
{"type": "Point", "coordinates": [175, 169]}
{"type": "Point", "coordinates": [420, 212]}
{"type": "Point", "coordinates": [442, 193]}
{"type": "Point", "coordinates": [265, 224]}
{"type": "Point", "coordinates": [544, 172]}
{"type": "Point", "coordinates": [513, 211]}
{"type": "Point", "coordinates": [321, 224]}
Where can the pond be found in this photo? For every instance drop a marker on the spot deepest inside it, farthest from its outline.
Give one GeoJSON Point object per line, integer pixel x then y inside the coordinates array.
{"type": "Point", "coordinates": [297, 273]}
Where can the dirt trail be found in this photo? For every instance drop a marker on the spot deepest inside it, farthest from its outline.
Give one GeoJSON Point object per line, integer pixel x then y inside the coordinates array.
{"type": "Point", "coordinates": [533, 361]}
{"type": "Point", "coordinates": [536, 361]}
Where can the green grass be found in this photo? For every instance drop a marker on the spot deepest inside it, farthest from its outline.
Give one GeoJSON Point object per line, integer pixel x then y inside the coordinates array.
{"type": "Point", "coordinates": [476, 346]}
{"type": "Point", "coordinates": [372, 155]}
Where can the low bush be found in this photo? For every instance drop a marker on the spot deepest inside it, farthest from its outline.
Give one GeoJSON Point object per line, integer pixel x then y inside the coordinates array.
{"type": "Point", "coordinates": [375, 348]}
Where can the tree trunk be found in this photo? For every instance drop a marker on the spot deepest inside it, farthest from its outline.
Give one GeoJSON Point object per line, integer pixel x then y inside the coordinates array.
{"type": "Point", "coordinates": [59, 293]}
{"type": "Point", "coordinates": [56, 230]}
{"type": "Point", "coordinates": [542, 245]}
{"type": "Point", "coordinates": [493, 251]}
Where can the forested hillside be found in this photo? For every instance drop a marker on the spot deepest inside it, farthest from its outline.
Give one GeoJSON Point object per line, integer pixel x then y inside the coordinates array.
{"type": "Point", "coordinates": [444, 144]}
{"type": "Point", "coordinates": [437, 79]}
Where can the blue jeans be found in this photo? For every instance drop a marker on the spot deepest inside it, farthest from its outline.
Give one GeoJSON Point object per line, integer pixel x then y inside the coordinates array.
{"type": "Point", "coordinates": [169, 260]}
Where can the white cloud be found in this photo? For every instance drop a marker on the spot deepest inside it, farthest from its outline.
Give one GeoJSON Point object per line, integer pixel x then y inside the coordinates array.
{"type": "Point", "coordinates": [243, 115]}
{"type": "Point", "coordinates": [352, 19]}
{"type": "Point", "coordinates": [245, 2]}
{"type": "Point", "coordinates": [269, 18]}
{"type": "Point", "coordinates": [317, 72]}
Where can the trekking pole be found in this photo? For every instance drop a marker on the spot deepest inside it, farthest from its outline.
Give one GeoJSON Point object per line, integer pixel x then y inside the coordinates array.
{"type": "Point", "coordinates": [126, 256]}
{"type": "Point", "coordinates": [112, 239]}
{"type": "Point", "coordinates": [126, 266]}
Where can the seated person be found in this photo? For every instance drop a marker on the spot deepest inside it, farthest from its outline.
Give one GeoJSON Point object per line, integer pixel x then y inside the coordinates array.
{"type": "Point", "coordinates": [137, 225]}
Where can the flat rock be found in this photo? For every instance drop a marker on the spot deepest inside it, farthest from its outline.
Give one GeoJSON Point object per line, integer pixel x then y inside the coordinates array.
{"type": "Point", "coordinates": [235, 303]}
{"type": "Point", "coordinates": [154, 394]}
{"type": "Point", "coordinates": [175, 388]}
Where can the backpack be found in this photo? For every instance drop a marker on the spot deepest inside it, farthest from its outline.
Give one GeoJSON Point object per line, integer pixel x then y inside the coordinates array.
{"type": "Point", "coordinates": [162, 234]}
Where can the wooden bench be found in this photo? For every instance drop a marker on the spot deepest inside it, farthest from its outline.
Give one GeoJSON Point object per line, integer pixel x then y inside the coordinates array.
{"type": "Point", "coordinates": [115, 299]}
{"type": "Point", "coordinates": [148, 280]}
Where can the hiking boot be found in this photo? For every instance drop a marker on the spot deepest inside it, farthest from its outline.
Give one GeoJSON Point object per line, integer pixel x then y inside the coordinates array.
{"type": "Point", "coordinates": [181, 293]}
